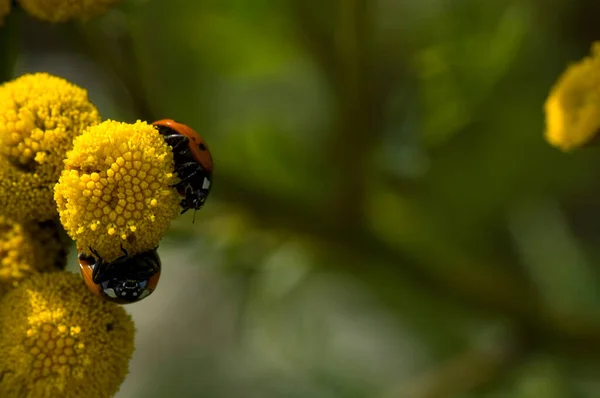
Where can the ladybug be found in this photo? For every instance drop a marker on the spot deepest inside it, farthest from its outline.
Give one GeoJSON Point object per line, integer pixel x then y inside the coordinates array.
{"type": "Point", "coordinates": [127, 279]}
{"type": "Point", "coordinates": [193, 163]}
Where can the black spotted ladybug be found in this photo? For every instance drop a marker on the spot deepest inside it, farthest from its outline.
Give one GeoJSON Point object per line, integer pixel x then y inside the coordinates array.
{"type": "Point", "coordinates": [193, 162]}
{"type": "Point", "coordinates": [126, 280]}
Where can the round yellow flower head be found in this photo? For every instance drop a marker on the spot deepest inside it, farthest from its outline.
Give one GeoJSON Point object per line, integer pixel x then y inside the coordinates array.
{"type": "Point", "coordinates": [116, 189]}
{"type": "Point", "coordinates": [64, 10]}
{"type": "Point", "coordinates": [40, 114]}
{"type": "Point", "coordinates": [29, 248]}
{"type": "Point", "coordinates": [58, 340]}
{"type": "Point", "coordinates": [573, 105]}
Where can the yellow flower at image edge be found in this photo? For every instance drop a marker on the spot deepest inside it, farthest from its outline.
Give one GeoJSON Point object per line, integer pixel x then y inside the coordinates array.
{"type": "Point", "coordinates": [58, 340]}
{"type": "Point", "coordinates": [573, 105]}
{"type": "Point", "coordinates": [116, 189]}
{"type": "Point", "coordinates": [29, 248]}
{"type": "Point", "coordinates": [61, 10]}
{"type": "Point", "coordinates": [40, 115]}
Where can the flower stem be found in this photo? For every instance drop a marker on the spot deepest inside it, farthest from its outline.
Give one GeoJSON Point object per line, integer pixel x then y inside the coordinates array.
{"type": "Point", "coordinates": [9, 45]}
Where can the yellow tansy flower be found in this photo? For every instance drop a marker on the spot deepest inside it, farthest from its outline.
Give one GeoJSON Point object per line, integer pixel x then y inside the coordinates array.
{"type": "Point", "coordinates": [58, 340]}
{"type": "Point", "coordinates": [4, 9]}
{"type": "Point", "coordinates": [40, 114]}
{"type": "Point", "coordinates": [573, 105]}
{"type": "Point", "coordinates": [115, 189]}
{"type": "Point", "coordinates": [29, 248]}
{"type": "Point", "coordinates": [64, 10]}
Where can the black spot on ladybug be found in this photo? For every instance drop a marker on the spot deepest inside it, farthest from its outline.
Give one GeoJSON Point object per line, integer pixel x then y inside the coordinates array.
{"type": "Point", "coordinates": [202, 147]}
{"type": "Point", "coordinates": [109, 327]}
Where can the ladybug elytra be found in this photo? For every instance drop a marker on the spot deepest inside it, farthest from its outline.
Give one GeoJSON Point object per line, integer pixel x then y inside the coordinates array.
{"type": "Point", "coordinates": [193, 162]}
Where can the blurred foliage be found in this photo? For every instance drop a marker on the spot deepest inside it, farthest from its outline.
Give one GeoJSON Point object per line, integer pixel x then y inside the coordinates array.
{"type": "Point", "coordinates": [386, 219]}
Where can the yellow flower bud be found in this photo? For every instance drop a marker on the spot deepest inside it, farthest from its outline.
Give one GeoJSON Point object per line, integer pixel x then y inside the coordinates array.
{"type": "Point", "coordinates": [61, 10]}
{"type": "Point", "coordinates": [58, 340]}
{"type": "Point", "coordinates": [103, 201]}
{"type": "Point", "coordinates": [573, 105]}
{"type": "Point", "coordinates": [40, 115]}
{"type": "Point", "coordinates": [29, 248]}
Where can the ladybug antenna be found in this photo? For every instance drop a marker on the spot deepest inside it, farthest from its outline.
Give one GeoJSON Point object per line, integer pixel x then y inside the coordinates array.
{"type": "Point", "coordinates": [194, 217]}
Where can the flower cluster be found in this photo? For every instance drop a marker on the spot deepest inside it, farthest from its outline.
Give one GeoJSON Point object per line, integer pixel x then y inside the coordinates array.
{"type": "Point", "coordinates": [60, 10]}
{"type": "Point", "coordinates": [57, 340]}
{"type": "Point", "coordinates": [29, 248]}
{"type": "Point", "coordinates": [116, 190]}
{"type": "Point", "coordinates": [109, 186]}
{"type": "Point", "coordinates": [573, 105]}
{"type": "Point", "coordinates": [40, 115]}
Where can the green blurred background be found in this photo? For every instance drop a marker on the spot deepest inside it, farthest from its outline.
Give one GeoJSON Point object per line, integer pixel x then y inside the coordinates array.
{"type": "Point", "coordinates": [386, 219]}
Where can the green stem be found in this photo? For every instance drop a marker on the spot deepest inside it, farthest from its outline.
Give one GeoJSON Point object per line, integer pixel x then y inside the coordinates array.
{"type": "Point", "coordinates": [118, 59]}
{"type": "Point", "coordinates": [9, 45]}
{"type": "Point", "coordinates": [351, 143]}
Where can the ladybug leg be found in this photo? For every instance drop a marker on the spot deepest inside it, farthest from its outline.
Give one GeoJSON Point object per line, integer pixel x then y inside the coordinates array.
{"type": "Point", "coordinates": [98, 265]}
{"type": "Point", "coordinates": [190, 175]}
{"type": "Point", "coordinates": [186, 166]}
{"type": "Point", "coordinates": [95, 253]}
{"type": "Point", "coordinates": [101, 270]}
{"type": "Point", "coordinates": [185, 176]}
{"type": "Point", "coordinates": [176, 141]}
{"type": "Point", "coordinates": [186, 203]}
{"type": "Point", "coordinates": [99, 273]}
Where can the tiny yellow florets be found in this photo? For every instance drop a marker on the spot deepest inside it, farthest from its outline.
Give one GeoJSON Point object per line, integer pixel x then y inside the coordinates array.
{"type": "Point", "coordinates": [573, 105]}
{"type": "Point", "coordinates": [64, 10]}
{"type": "Point", "coordinates": [40, 114]}
{"type": "Point", "coordinates": [29, 248]}
{"type": "Point", "coordinates": [115, 189]}
{"type": "Point", "coordinates": [4, 10]}
{"type": "Point", "coordinates": [58, 340]}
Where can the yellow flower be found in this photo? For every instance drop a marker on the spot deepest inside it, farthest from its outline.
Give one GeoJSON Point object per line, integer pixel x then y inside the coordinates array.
{"type": "Point", "coordinates": [40, 115]}
{"type": "Point", "coordinates": [4, 9]}
{"type": "Point", "coordinates": [58, 340]}
{"type": "Point", "coordinates": [115, 189]}
{"type": "Point", "coordinates": [573, 105]}
{"type": "Point", "coordinates": [29, 248]}
{"type": "Point", "coordinates": [64, 10]}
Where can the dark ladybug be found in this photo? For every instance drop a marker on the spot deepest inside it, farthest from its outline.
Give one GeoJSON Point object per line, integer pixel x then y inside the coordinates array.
{"type": "Point", "coordinates": [127, 279]}
{"type": "Point", "coordinates": [193, 162]}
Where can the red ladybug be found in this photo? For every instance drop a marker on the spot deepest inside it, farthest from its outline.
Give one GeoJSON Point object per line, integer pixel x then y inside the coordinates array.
{"type": "Point", "coordinates": [126, 280]}
{"type": "Point", "coordinates": [193, 162]}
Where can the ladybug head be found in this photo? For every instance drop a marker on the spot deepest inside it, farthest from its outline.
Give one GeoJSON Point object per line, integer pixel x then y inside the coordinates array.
{"type": "Point", "coordinates": [127, 289]}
